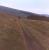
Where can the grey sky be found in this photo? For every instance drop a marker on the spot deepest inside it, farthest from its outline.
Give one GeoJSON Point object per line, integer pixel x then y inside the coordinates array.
{"type": "Point", "coordinates": [35, 6]}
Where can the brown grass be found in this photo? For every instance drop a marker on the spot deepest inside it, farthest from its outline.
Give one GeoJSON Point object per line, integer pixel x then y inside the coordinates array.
{"type": "Point", "coordinates": [10, 38]}
{"type": "Point", "coordinates": [23, 34]}
{"type": "Point", "coordinates": [39, 31]}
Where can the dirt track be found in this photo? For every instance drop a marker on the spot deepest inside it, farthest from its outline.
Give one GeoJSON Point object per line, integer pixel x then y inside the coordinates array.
{"type": "Point", "coordinates": [30, 42]}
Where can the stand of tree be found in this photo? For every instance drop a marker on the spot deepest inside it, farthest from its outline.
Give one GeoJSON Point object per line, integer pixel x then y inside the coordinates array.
{"type": "Point", "coordinates": [38, 17]}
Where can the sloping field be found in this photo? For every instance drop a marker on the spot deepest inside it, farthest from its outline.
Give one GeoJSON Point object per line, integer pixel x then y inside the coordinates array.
{"type": "Point", "coordinates": [36, 34]}
{"type": "Point", "coordinates": [23, 34]}
{"type": "Point", "coordinates": [10, 35]}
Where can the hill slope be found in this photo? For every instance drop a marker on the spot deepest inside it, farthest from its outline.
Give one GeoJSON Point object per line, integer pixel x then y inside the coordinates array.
{"type": "Point", "coordinates": [36, 34]}
{"type": "Point", "coordinates": [19, 33]}
{"type": "Point", "coordinates": [23, 34]}
{"type": "Point", "coordinates": [14, 12]}
{"type": "Point", "coordinates": [10, 37]}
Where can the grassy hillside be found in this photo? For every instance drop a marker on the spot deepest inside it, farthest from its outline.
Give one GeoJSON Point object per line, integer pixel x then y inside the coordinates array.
{"type": "Point", "coordinates": [10, 37]}
{"type": "Point", "coordinates": [23, 34]}
{"type": "Point", "coordinates": [39, 32]}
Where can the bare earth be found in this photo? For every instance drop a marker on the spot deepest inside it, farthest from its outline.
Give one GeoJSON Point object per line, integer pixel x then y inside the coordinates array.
{"type": "Point", "coordinates": [23, 34]}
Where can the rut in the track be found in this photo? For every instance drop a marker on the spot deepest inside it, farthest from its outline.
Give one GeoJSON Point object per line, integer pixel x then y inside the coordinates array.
{"type": "Point", "coordinates": [31, 43]}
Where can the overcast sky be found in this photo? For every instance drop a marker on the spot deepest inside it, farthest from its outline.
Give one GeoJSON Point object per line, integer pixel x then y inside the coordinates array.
{"type": "Point", "coordinates": [35, 6]}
